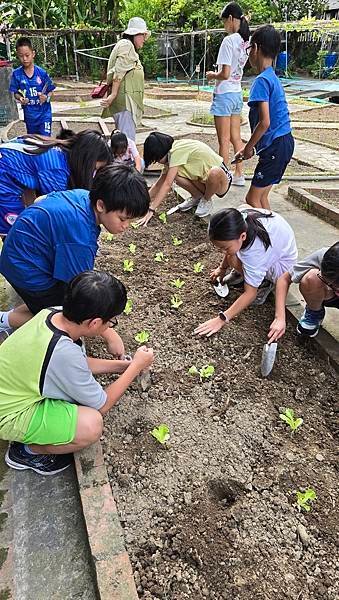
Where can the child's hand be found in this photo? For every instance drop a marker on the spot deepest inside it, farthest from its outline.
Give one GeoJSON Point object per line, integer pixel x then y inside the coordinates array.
{"type": "Point", "coordinates": [23, 101]}
{"type": "Point", "coordinates": [210, 75]}
{"type": "Point", "coordinates": [247, 152]}
{"type": "Point", "coordinates": [143, 357]}
{"type": "Point", "coordinates": [277, 330]}
{"type": "Point", "coordinates": [218, 272]}
{"type": "Point", "coordinates": [146, 219]}
{"type": "Point", "coordinates": [42, 97]}
{"type": "Point", "coordinates": [209, 327]}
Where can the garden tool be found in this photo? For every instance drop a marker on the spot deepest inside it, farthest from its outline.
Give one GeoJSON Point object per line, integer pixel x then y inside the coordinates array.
{"type": "Point", "coordinates": [173, 209]}
{"type": "Point", "coordinates": [268, 357]}
{"type": "Point", "coordinates": [221, 288]}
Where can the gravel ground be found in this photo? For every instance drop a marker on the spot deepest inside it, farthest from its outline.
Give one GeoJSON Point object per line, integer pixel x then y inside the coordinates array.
{"type": "Point", "coordinates": [328, 114]}
{"type": "Point", "coordinates": [327, 137]}
{"type": "Point", "coordinates": [330, 196]}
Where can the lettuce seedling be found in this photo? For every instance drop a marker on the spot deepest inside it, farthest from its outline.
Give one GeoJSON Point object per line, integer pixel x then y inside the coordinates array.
{"type": "Point", "coordinates": [176, 301]}
{"type": "Point", "coordinates": [178, 283]}
{"type": "Point", "coordinates": [193, 370]}
{"type": "Point", "coordinates": [128, 307]}
{"type": "Point", "coordinates": [107, 236]}
{"type": "Point", "coordinates": [159, 257]}
{"type": "Point", "coordinates": [161, 433]}
{"type": "Point", "coordinates": [288, 417]}
{"type": "Point", "coordinates": [128, 265]}
{"type": "Point", "coordinates": [198, 267]}
{"type": "Point", "coordinates": [176, 241]}
{"type": "Point", "coordinates": [163, 218]}
{"type": "Point", "coordinates": [135, 225]}
{"type": "Point", "coordinates": [132, 248]}
{"type": "Point", "coordinates": [204, 373]}
{"type": "Point", "coordinates": [303, 498]}
{"type": "Point", "coordinates": [142, 337]}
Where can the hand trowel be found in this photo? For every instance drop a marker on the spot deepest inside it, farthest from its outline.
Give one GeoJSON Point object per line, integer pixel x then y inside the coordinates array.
{"type": "Point", "coordinates": [268, 358]}
{"type": "Point", "coordinates": [221, 288]}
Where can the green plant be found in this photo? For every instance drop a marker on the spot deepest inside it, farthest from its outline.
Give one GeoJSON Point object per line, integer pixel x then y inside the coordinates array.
{"type": "Point", "coordinates": [177, 283]}
{"type": "Point", "coordinates": [128, 307]}
{"type": "Point", "coordinates": [132, 248]}
{"type": "Point", "coordinates": [159, 257]}
{"type": "Point", "coordinates": [142, 337]}
{"type": "Point", "coordinates": [163, 217]}
{"type": "Point", "coordinates": [135, 225]}
{"type": "Point", "coordinates": [128, 265]}
{"type": "Point", "coordinates": [176, 241]}
{"type": "Point", "coordinates": [176, 301]}
{"type": "Point", "coordinates": [161, 433]}
{"type": "Point", "coordinates": [303, 498]}
{"type": "Point", "coordinates": [107, 236]}
{"type": "Point", "coordinates": [198, 267]}
{"type": "Point", "coordinates": [204, 373]}
{"type": "Point", "coordinates": [202, 117]}
{"type": "Point", "coordinates": [288, 417]}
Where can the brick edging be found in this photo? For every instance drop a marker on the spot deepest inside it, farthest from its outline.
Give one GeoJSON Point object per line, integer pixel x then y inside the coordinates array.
{"type": "Point", "coordinates": [105, 535]}
{"type": "Point", "coordinates": [314, 205]}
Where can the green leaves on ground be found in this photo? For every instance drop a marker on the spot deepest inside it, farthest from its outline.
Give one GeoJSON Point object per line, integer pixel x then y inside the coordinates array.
{"type": "Point", "coordinates": [176, 301]}
{"type": "Point", "coordinates": [132, 248]}
{"type": "Point", "coordinates": [205, 372]}
{"type": "Point", "coordinates": [303, 499]}
{"type": "Point", "coordinates": [198, 267]}
{"type": "Point", "coordinates": [161, 433]}
{"type": "Point", "coordinates": [288, 417]}
{"type": "Point", "coordinates": [128, 307]}
{"type": "Point", "coordinates": [163, 218]}
{"type": "Point", "coordinates": [108, 237]}
{"type": "Point", "coordinates": [128, 265]}
{"type": "Point", "coordinates": [178, 283]}
{"type": "Point", "coordinates": [142, 337]}
{"type": "Point", "coordinates": [135, 225]}
{"type": "Point", "coordinates": [176, 241]}
{"type": "Point", "coordinates": [159, 257]}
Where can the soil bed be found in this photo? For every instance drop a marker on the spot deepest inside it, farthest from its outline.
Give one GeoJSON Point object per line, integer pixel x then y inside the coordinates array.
{"type": "Point", "coordinates": [213, 515]}
{"type": "Point", "coordinates": [330, 196]}
{"type": "Point", "coordinates": [324, 137]}
{"type": "Point", "coordinates": [20, 129]}
{"type": "Point", "coordinates": [328, 114]}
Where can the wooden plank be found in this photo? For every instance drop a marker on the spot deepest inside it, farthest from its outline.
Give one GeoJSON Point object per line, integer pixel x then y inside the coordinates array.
{"type": "Point", "coordinates": [104, 127]}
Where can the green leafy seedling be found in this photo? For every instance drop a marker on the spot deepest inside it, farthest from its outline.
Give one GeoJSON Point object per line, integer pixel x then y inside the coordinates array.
{"type": "Point", "coordinates": [128, 307]}
{"type": "Point", "coordinates": [198, 267]}
{"type": "Point", "coordinates": [206, 372]}
{"type": "Point", "coordinates": [163, 218]}
{"type": "Point", "coordinates": [135, 225]}
{"type": "Point", "coordinates": [132, 248]}
{"type": "Point", "coordinates": [193, 370]}
{"type": "Point", "coordinates": [177, 283]}
{"type": "Point", "coordinates": [108, 236]}
{"type": "Point", "coordinates": [161, 433]}
{"type": "Point", "coordinates": [303, 499]}
{"type": "Point", "coordinates": [142, 337]}
{"type": "Point", "coordinates": [159, 257]}
{"type": "Point", "coordinates": [176, 301]}
{"type": "Point", "coordinates": [288, 417]}
{"type": "Point", "coordinates": [128, 265]}
{"type": "Point", "coordinates": [176, 241]}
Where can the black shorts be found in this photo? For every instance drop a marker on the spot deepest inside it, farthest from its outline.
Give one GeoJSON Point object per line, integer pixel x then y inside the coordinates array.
{"type": "Point", "coordinates": [36, 301]}
{"type": "Point", "coordinates": [273, 161]}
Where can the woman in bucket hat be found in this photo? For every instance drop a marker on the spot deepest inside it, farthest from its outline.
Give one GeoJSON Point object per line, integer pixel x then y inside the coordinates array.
{"type": "Point", "coordinates": [125, 74]}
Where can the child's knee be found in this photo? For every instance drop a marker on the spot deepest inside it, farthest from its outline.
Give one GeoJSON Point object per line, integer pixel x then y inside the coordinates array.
{"type": "Point", "coordinates": [310, 281]}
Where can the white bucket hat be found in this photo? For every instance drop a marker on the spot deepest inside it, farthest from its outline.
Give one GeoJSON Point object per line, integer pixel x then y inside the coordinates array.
{"type": "Point", "coordinates": [137, 25]}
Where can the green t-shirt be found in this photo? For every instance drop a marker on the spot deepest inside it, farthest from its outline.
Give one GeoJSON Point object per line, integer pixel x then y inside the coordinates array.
{"type": "Point", "coordinates": [193, 158]}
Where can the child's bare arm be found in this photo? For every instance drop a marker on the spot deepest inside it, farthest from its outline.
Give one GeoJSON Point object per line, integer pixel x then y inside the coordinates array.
{"type": "Point", "coordinates": [261, 128]}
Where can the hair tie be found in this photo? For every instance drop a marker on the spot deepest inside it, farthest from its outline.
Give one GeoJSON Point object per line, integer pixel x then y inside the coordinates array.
{"type": "Point", "coordinates": [244, 215]}
{"type": "Point", "coordinates": [242, 16]}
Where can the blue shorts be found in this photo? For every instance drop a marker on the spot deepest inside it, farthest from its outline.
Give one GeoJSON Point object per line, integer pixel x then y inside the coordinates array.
{"type": "Point", "coordinates": [226, 105]}
{"type": "Point", "coordinates": [39, 128]}
{"type": "Point", "coordinates": [273, 161]}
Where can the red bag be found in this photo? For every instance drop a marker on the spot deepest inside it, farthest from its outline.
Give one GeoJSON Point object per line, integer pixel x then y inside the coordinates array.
{"type": "Point", "coordinates": [100, 90]}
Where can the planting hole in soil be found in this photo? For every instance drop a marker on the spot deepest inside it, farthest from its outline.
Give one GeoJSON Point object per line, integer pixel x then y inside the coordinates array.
{"type": "Point", "coordinates": [213, 513]}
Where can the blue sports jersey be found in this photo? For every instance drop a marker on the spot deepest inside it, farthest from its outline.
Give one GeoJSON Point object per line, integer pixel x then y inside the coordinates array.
{"type": "Point", "coordinates": [38, 117]}
{"type": "Point", "coordinates": [53, 240]}
{"type": "Point", "coordinates": [267, 88]}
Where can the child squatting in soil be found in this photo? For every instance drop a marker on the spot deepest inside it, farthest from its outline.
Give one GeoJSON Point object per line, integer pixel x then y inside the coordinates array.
{"type": "Point", "coordinates": [191, 164]}
{"type": "Point", "coordinates": [269, 119]}
{"type": "Point", "coordinates": [50, 403]}
{"type": "Point", "coordinates": [125, 151]}
{"type": "Point", "coordinates": [259, 246]}
{"type": "Point", "coordinates": [65, 227]}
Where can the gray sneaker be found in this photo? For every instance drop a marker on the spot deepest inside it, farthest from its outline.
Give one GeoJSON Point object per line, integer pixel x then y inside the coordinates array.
{"type": "Point", "coordinates": [204, 208]}
{"type": "Point", "coordinates": [188, 204]}
{"type": "Point", "coordinates": [263, 292]}
{"type": "Point", "coordinates": [233, 279]}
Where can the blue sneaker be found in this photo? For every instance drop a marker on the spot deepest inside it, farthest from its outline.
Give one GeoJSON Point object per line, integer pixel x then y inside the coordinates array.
{"type": "Point", "coordinates": [309, 323]}
{"type": "Point", "coordinates": [44, 464]}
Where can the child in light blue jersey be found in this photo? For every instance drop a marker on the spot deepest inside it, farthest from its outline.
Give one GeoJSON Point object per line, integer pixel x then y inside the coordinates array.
{"type": "Point", "coordinates": [269, 119]}
{"type": "Point", "coordinates": [33, 88]}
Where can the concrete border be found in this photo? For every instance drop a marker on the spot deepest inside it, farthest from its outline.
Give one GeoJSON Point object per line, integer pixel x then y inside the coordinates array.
{"type": "Point", "coordinates": [105, 535]}
{"type": "Point", "coordinates": [314, 205]}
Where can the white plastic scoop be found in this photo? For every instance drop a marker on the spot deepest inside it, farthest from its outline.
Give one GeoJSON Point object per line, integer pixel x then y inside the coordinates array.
{"type": "Point", "coordinates": [221, 289]}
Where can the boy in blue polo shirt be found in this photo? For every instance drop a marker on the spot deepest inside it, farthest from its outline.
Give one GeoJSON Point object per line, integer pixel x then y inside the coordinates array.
{"type": "Point", "coordinates": [32, 87]}
{"type": "Point", "coordinates": [269, 119]}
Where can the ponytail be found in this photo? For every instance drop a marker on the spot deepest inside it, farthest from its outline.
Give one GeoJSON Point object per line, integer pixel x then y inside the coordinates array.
{"type": "Point", "coordinates": [234, 10]}
{"type": "Point", "coordinates": [230, 223]}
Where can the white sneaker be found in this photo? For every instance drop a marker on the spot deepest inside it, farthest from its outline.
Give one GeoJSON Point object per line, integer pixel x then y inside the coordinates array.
{"type": "Point", "coordinates": [240, 181]}
{"type": "Point", "coordinates": [204, 208]}
{"type": "Point", "coordinates": [188, 204]}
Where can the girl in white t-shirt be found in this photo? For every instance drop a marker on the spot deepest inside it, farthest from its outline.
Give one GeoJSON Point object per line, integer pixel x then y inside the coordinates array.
{"type": "Point", "coordinates": [125, 151]}
{"type": "Point", "coordinates": [227, 97]}
{"type": "Point", "coordinates": [259, 245]}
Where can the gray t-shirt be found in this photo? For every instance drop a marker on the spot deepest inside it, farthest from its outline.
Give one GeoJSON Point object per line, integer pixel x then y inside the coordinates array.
{"type": "Point", "coordinates": [313, 261]}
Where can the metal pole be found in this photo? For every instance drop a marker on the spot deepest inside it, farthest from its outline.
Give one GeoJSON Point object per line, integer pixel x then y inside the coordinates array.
{"type": "Point", "coordinates": [166, 43]}
{"type": "Point", "coordinates": [75, 58]}
{"type": "Point", "coordinates": [66, 54]}
{"type": "Point", "coordinates": [205, 52]}
{"type": "Point", "coordinates": [192, 55]}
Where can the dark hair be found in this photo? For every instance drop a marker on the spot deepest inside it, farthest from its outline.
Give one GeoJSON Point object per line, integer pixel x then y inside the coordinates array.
{"type": "Point", "coordinates": [230, 223]}
{"type": "Point", "coordinates": [92, 295]}
{"type": "Point", "coordinates": [330, 264]}
{"type": "Point", "coordinates": [156, 146]}
{"type": "Point", "coordinates": [119, 142]}
{"type": "Point", "coordinates": [84, 150]}
{"type": "Point", "coordinates": [65, 134]}
{"type": "Point", "coordinates": [23, 41]}
{"type": "Point", "coordinates": [121, 187]}
{"type": "Point", "coordinates": [234, 10]}
{"type": "Point", "coordinates": [127, 36]}
{"type": "Point", "coordinates": [268, 40]}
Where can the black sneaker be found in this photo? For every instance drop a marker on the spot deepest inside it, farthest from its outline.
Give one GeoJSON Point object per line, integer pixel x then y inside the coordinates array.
{"type": "Point", "coordinates": [44, 464]}
{"type": "Point", "coordinates": [233, 279]}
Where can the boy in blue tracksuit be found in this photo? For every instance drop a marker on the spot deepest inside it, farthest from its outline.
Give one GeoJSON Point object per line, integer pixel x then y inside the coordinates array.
{"type": "Point", "coordinates": [269, 119]}
{"type": "Point", "coordinates": [32, 87]}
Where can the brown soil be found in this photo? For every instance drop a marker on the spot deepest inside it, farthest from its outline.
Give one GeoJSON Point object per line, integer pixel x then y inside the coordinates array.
{"type": "Point", "coordinates": [95, 111]}
{"type": "Point", "coordinates": [330, 196]}
{"type": "Point", "coordinates": [213, 514]}
{"type": "Point", "coordinates": [20, 128]}
{"type": "Point", "coordinates": [324, 137]}
{"type": "Point", "coordinates": [327, 114]}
